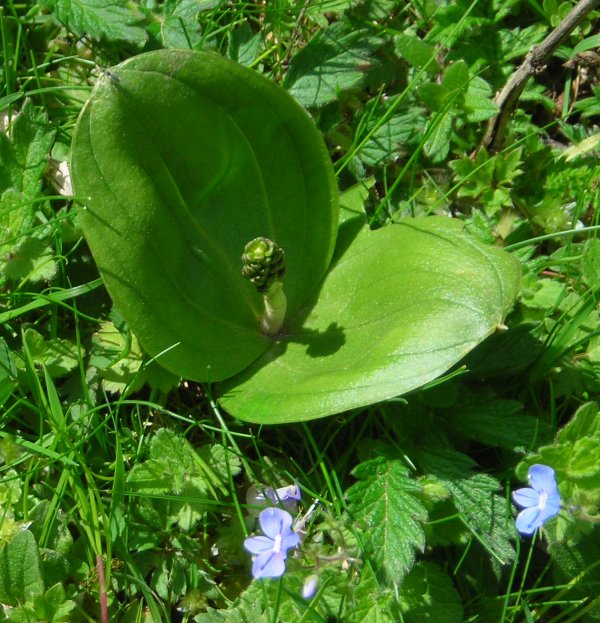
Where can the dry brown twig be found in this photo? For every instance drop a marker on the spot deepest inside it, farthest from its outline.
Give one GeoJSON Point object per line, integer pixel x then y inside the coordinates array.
{"type": "Point", "coordinates": [534, 62]}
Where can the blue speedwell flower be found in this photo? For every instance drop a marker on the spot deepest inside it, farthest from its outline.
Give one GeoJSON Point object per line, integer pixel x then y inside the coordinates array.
{"type": "Point", "coordinates": [270, 550]}
{"type": "Point", "coordinates": [287, 496]}
{"type": "Point", "coordinates": [541, 501]}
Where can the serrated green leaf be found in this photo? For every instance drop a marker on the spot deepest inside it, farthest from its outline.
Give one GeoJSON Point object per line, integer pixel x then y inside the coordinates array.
{"type": "Point", "coordinates": [175, 482]}
{"type": "Point", "coordinates": [117, 358]}
{"type": "Point", "coordinates": [428, 594]}
{"type": "Point", "coordinates": [417, 52]}
{"type": "Point", "coordinates": [58, 356]}
{"type": "Point", "coordinates": [456, 77]}
{"type": "Point", "coordinates": [439, 131]}
{"type": "Point", "coordinates": [24, 154]}
{"type": "Point", "coordinates": [590, 268]}
{"type": "Point", "coordinates": [180, 27]}
{"type": "Point", "coordinates": [23, 159]}
{"type": "Point", "coordinates": [8, 380]}
{"type": "Point", "coordinates": [206, 155]}
{"type": "Point", "coordinates": [574, 455]}
{"type": "Point", "coordinates": [585, 423]}
{"type": "Point", "coordinates": [433, 95]}
{"type": "Point", "coordinates": [103, 20]}
{"type": "Point", "coordinates": [176, 453]}
{"type": "Point", "coordinates": [396, 137]}
{"type": "Point", "coordinates": [497, 422]}
{"type": "Point", "coordinates": [20, 569]}
{"type": "Point", "coordinates": [383, 503]}
{"type": "Point", "coordinates": [334, 60]}
{"type": "Point", "coordinates": [517, 42]}
{"type": "Point", "coordinates": [475, 498]}
{"type": "Point", "coordinates": [31, 259]}
{"type": "Point", "coordinates": [478, 104]}
{"type": "Point", "coordinates": [547, 294]}
{"type": "Point", "coordinates": [252, 607]}
{"type": "Point", "coordinates": [222, 463]}
{"type": "Point", "coordinates": [244, 44]}
{"type": "Point", "coordinates": [369, 604]}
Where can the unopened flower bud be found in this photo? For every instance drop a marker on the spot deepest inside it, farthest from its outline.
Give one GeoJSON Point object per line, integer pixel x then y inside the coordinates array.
{"type": "Point", "coordinates": [310, 587]}
{"type": "Point", "coordinates": [263, 263]}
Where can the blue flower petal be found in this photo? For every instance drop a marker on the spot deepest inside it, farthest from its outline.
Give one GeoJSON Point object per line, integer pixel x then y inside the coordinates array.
{"type": "Point", "coordinates": [526, 497]}
{"type": "Point", "coordinates": [290, 540]}
{"type": "Point", "coordinates": [268, 565]}
{"type": "Point", "coordinates": [271, 550]}
{"type": "Point", "coordinates": [552, 507]}
{"type": "Point", "coordinates": [289, 493]}
{"type": "Point", "coordinates": [258, 544]}
{"type": "Point", "coordinates": [541, 478]}
{"type": "Point", "coordinates": [275, 522]}
{"type": "Point", "coordinates": [529, 520]}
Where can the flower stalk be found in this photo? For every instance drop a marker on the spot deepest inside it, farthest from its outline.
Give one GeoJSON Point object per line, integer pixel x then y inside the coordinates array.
{"type": "Point", "coordinates": [264, 265]}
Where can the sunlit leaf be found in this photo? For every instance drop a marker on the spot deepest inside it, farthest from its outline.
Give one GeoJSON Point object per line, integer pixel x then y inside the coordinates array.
{"type": "Point", "coordinates": [400, 307]}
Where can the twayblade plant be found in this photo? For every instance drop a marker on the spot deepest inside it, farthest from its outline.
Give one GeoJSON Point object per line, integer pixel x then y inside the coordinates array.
{"type": "Point", "coordinates": [183, 160]}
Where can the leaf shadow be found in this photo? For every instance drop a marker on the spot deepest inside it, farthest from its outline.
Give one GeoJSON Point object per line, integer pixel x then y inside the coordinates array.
{"type": "Point", "coordinates": [320, 343]}
{"type": "Point", "coordinates": [324, 342]}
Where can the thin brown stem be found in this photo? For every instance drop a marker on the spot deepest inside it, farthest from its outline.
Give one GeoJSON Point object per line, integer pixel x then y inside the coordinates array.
{"type": "Point", "coordinates": [534, 62]}
{"type": "Point", "coordinates": [102, 586]}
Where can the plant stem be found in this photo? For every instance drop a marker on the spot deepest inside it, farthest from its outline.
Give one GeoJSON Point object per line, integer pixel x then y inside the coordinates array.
{"type": "Point", "coordinates": [275, 308]}
{"type": "Point", "coordinates": [102, 586]}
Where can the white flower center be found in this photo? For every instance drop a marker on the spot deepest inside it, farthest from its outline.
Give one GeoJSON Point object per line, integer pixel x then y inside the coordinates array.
{"type": "Point", "coordinates": [543, 500]}
{"type": "Point", "coordinates": [277, 544]}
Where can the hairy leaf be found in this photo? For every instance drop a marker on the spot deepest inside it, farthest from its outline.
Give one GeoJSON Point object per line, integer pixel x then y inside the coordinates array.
{"type": "Point", "coordinates": [20, 569]}
{"type": "Point", "coordinates": [394, 138]}
{"type": "Point", "coordinates": [58, 356]}
{"type": "Point", "coordinates": [428, 594]}
{"type": "Point", "coordinates": [175, 483]}
{"type": "Point", "coordinates": [496, 422]}
{"type": "Point", "coordinates": [23, 158]}
{"type": "Point", "coordinates": [369, 604]}
{"type": "Point", "coordinates": [334, 60]}
{"type": "Point", "coordinates": [106, 20]}
{"type": "Point", "coordinates": [417, 52]}
{"type": "Point", "coordinates": [24, 154]}
{"type": "Point", "coordinates": [575, 455]}
{"type": "Point", "coordinates": [475, 498]}
{"type": "Point", "coordinates": [383, 503]}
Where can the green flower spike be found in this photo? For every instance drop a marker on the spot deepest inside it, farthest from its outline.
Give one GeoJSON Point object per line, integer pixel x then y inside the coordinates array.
{"type": "Point", "coordinates": [264, 265]}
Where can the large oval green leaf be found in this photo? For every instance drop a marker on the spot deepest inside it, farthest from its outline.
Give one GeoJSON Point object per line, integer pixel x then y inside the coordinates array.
{"type": "Point", "coordinates": [181, 158]}
{"type": "Point", "coordinates": [399, 307]}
